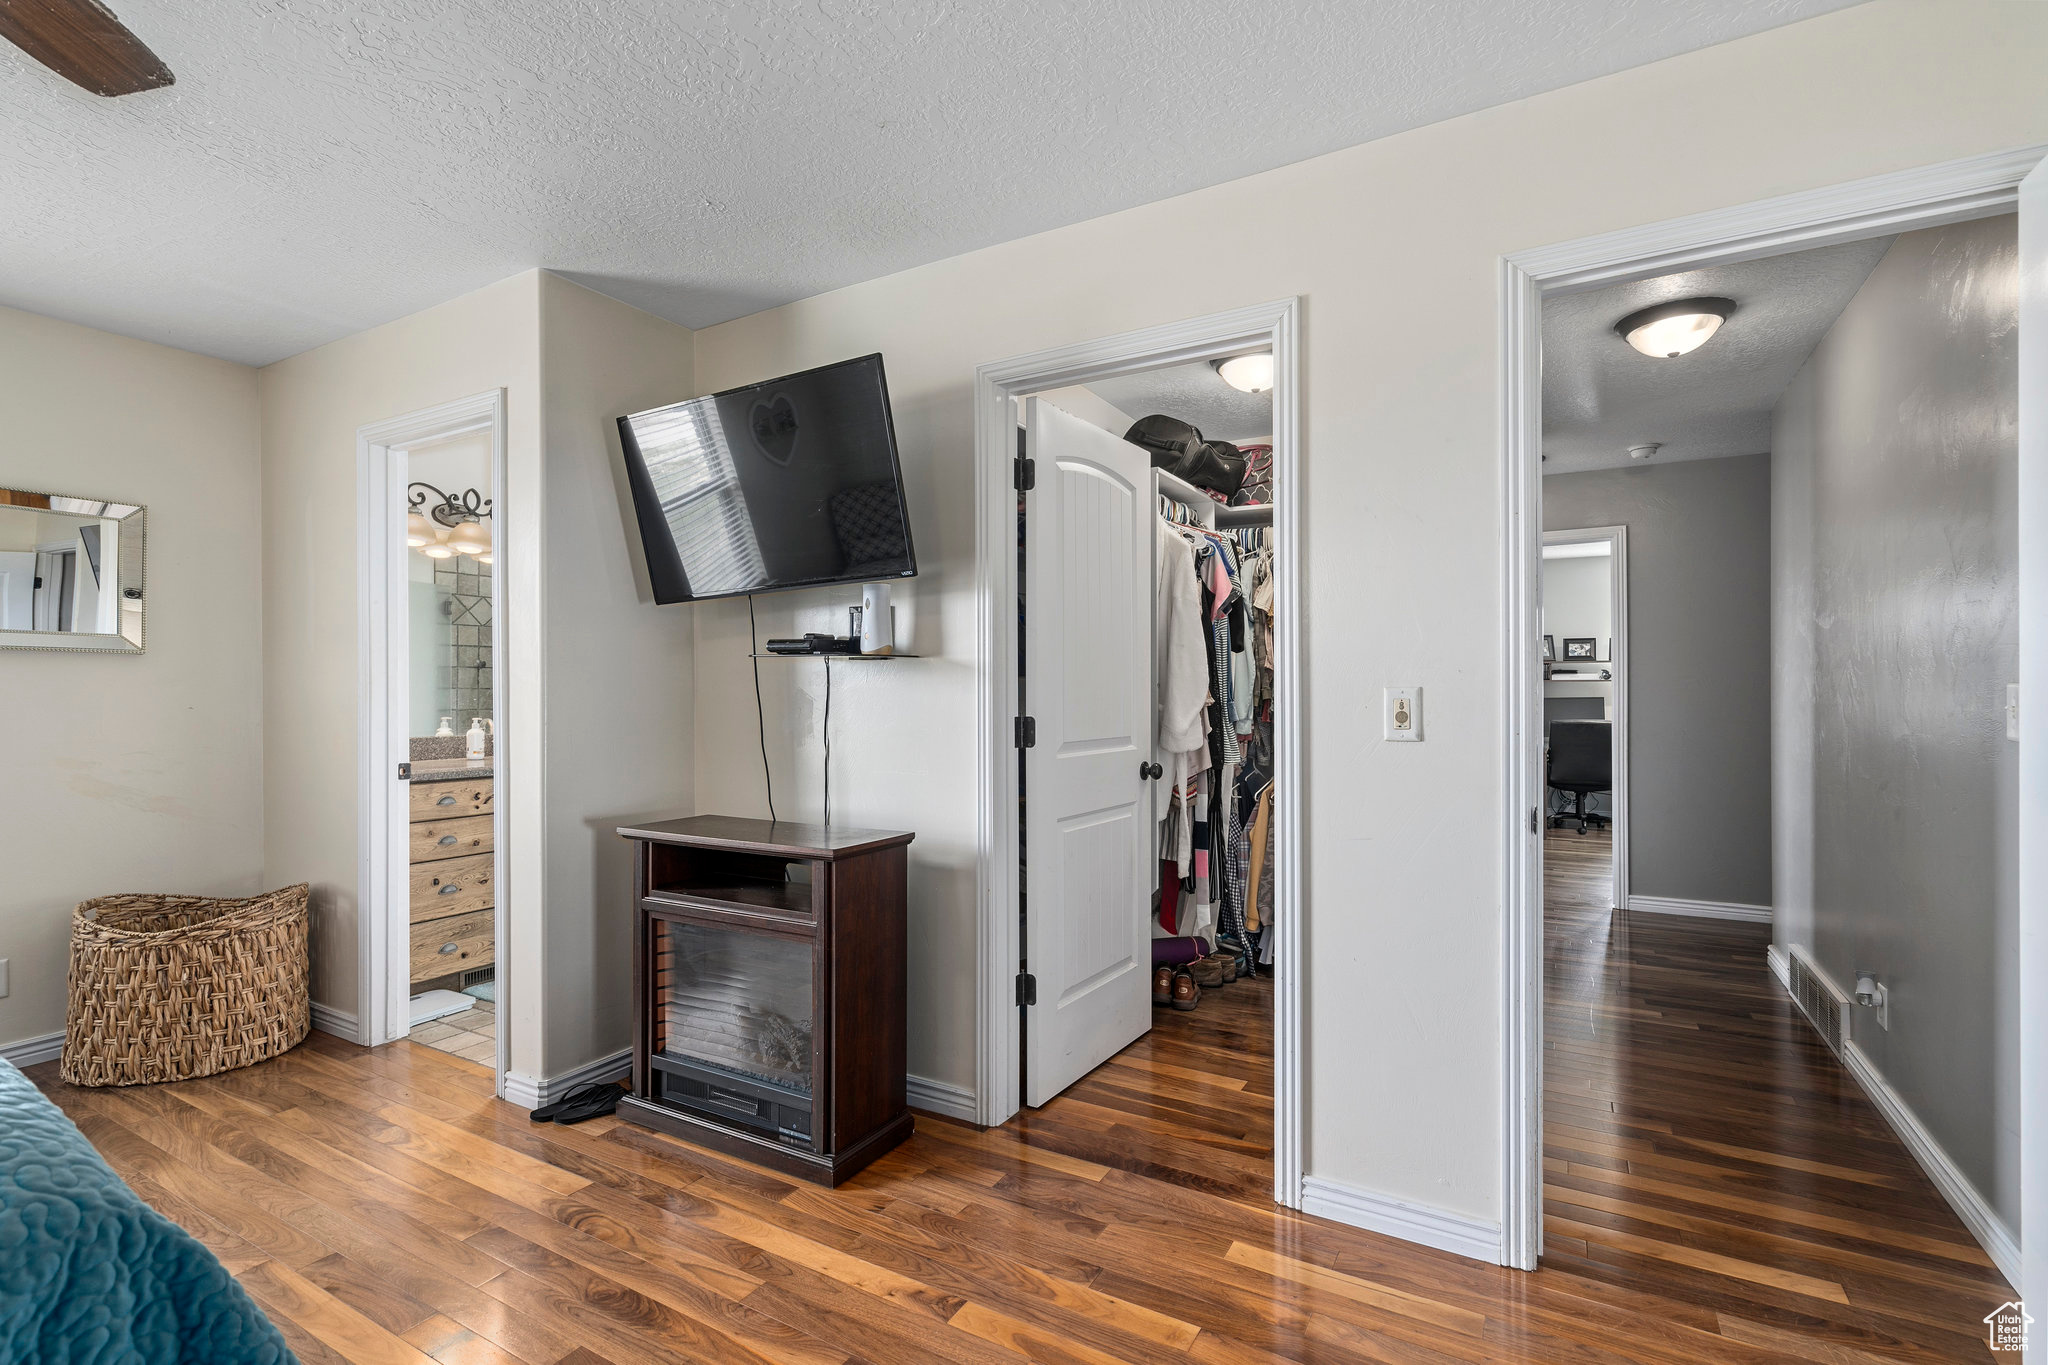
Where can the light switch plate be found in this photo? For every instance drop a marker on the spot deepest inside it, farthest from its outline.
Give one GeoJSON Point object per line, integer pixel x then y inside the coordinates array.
{"type": "Point", "coordinates": [1402, 712]}
{"type": "Point", "coordinates": [3, 978]}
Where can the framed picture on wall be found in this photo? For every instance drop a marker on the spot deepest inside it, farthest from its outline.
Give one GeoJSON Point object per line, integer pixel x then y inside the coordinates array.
{"type": "Point", "coordinates": [1577, 648]}
{"type": "Point", "coordinates": [1549, 649]}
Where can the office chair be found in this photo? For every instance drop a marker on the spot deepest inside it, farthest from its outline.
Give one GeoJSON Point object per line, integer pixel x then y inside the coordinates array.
{"type": "Point", "coordinates": [1581, 762]}
{"type": "Point", "coordinates": [1573, 708]}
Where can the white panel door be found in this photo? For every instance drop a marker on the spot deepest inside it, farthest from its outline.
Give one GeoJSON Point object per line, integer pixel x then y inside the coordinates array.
{"type": "Point", "coordinates": [1089, 841]}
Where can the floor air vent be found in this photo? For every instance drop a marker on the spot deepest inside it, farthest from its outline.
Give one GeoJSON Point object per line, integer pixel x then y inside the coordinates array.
{"type": "Point", "coordinates": [1818, 1001]}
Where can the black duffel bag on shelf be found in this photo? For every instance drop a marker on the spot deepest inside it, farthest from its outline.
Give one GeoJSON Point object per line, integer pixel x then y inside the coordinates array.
{"type": "Point", "coordinates": [1178, 448]}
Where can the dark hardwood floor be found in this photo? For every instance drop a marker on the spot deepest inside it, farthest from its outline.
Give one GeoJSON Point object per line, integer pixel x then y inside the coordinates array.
{"type": "Point", "coordinates": [1719, 1192]}
{"type": "Point", "coordinates": [1702, 1145]}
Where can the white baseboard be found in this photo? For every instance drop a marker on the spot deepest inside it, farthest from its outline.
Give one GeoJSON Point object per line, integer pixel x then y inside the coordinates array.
{"type": "Point", "coordinates": [531, 1092]}
{"type": "Point", "coordinates": [1446, 1231]}
{"type": "Point", "coordinates": [1781, 966]}
{"type": "Point", "coordinates": [341, 1023]}
{"type": "Point", "coordinates": [1970, 1206]}
{"type": "Point", "coordinates": [1670, 905]}
{"type": "Point", "coordinates": [33, 1051]}
{"type": "Point", "coordinates": [942, 1097]}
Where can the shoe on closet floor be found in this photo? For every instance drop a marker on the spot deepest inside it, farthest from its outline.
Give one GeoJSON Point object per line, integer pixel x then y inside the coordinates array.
{"type": "Point", "coordinates": [1226, 967]}
{"type": "Point", "coordinates": [1187, 992]}
{"type": "Point", "coordinates": [1207, 971]}
{"type": "Point", "coordinates": [1162, 985]}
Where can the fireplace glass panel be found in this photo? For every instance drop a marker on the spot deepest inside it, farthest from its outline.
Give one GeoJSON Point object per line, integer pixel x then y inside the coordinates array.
{"type": "Point", "coordinates": [735, 1002]}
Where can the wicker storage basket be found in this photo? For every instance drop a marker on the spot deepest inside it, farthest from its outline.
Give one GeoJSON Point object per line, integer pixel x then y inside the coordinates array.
{"type": "Point", "coordinates": [165, 988]}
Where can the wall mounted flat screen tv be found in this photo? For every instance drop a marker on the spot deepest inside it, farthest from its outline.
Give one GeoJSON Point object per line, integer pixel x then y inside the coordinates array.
{"type": "Point", "coordinates": [788, 484]}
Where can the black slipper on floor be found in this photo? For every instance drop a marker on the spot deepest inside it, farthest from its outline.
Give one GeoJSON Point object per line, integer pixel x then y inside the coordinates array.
{"type": "Point", "coordinates": [583, 1094]}
{"type": "Point", "coordinates": [603, 1100]}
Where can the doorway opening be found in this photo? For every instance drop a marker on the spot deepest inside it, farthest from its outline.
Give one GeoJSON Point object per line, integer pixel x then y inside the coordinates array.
{"type": "Point", "coordinates": [451, 744]}
{"type": "Point", "coordinates": [1072, 529]}
{"type": "Point", "coordinates": [1585, 699]}
{"type": "Point", "coordinates": [1791, 518]}
{"type": "Point", "coordinates": [433, 921]}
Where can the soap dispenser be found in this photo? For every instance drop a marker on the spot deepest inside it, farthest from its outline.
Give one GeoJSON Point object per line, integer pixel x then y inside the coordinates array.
{"type": "Point", "coordinates": [447, 730]}
{"type": "Point", "coordinates": [477, 727]}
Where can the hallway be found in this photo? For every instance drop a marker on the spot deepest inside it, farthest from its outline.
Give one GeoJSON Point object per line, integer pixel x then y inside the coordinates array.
{"type": "Point", "coordinates": [1703, 1145]}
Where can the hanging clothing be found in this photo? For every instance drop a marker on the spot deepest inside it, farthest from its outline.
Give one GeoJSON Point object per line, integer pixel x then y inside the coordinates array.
{"type": "Point", "coordinates": [1213, 653]}
{"type": "Point", "coordinates": [1259, 911]}
{"type": "Point", "coordinates": [1178, 644]}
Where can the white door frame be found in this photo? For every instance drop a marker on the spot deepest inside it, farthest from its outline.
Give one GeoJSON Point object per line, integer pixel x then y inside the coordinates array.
{"type": "Point", "coordinates": [383, 714]}
{"type": "Point", "coordinates": [1617, 577]}
{"type": "Point", "coordinates": [1902, 202]}
{"type": "Point", "coordinates": [998, 1030]}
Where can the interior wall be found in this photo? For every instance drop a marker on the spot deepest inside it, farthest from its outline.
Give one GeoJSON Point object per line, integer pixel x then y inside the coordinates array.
{"type": "Point", "coordinates": [1395, 246]}
{"type": "Point", "coordinates": [1578, 601]}
{"type": "Point", "coordinates": [619, 679]}
{"type": "Point", "coordinates": [131, 772]}
{"type": "Point", "coordinates": [312, 406]}
{"type": "Point", "coordinates": [1898, 613]}
{"type": "Point", "coordinates": [1699, 659]}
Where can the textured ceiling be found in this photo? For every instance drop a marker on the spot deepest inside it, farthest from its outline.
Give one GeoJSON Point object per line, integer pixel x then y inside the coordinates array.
{"type": "Point", "coordinates": [322, 166]}
{"type": "Point", "coordinates": [1195, 394]}
{"type": "Point", "coordinates": [1601, 396]}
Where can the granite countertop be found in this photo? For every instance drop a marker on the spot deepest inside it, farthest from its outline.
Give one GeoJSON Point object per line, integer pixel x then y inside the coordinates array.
{"type": "Point", "coordinates": [450, 769]}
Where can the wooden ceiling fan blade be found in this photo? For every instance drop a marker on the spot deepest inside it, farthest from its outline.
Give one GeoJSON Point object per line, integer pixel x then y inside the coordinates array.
{"type": "Point", "coordinates": [83, 42]}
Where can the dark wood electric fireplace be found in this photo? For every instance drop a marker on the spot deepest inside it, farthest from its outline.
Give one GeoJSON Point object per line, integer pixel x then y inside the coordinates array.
{"type": "Point", "coordinates": [768, 979]}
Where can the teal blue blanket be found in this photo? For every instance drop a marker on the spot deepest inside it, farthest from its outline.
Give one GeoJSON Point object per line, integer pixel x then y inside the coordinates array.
{"type": "Point", "coordinates": [91, 1275]}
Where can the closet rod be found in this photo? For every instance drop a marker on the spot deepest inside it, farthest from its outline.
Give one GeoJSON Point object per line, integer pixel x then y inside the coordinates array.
{"type": "Point", "coordinates": [1187, 495]}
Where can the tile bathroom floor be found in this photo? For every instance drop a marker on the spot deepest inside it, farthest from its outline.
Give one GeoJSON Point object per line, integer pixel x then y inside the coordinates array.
{"type": "Point", "coordinates": [472, 1034]}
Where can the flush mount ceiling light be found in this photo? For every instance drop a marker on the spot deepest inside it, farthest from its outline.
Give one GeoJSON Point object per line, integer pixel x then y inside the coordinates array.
{"type": "Point", "coordinates": [1248, 373]}
{"type": "Point", "coordinates": [1645, 450]}
{"type": "Point", "coordinates": [1668, 330]}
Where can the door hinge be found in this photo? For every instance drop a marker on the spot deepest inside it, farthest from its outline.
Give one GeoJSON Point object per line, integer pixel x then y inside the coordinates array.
{"type": "Point", "coordinates": [405, 772]}
{"type": "Point", "coordinates": [1027, 989]}
{"type": "Point", "coordinates": [1535, 820]}
{"type": "Point", "coordinates": [1026, 474]}
{"type": "Point", "coordinates": [1027, 732]}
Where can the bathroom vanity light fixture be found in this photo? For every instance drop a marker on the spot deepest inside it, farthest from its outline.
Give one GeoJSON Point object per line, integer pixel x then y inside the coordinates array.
{"type": "Point", "coordinates": [441, 525]}
{"type": "Point", "coordinates": [1669, 330]}
{"type": "Point", "coordinates": [1247, 373]}
{"type": "Point", "coordinates": [470, 538]}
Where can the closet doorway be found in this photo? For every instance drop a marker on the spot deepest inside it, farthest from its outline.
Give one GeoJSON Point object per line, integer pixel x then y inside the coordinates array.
{"type": "Point", "coordinates": [1111, 844]}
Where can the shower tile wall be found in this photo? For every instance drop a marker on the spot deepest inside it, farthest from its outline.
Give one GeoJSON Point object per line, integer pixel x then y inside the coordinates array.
{"type": "Point", "coordinates": [465, 588]}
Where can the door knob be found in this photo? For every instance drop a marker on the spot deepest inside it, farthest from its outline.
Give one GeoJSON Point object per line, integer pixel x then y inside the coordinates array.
{"type": "Point", "coordinates": [1151, 770]}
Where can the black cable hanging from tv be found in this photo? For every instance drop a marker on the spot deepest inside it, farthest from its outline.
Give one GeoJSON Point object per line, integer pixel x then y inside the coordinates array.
{"type": "Point", "coordinates": [760, 722]}
{"type": "Point", "coordinates": [828, 741]}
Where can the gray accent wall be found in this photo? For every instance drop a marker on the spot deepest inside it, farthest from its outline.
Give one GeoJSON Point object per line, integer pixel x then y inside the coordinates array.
{"type": "Point", "coordinates": [1895, 630]}
{"type": "Point", "coordinates": [1699, 644]}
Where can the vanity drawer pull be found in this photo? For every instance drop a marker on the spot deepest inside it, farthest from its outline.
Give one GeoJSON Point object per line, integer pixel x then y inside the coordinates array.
{"type": "Point", "coordinates": [446, 801]}
{"type": "Point", "coordinates": [446, 840]}
{"type": "Point", "coordinates": [448, 948]}
{"type": "Point", "coordinates": [450, 889]}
